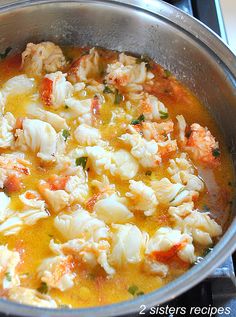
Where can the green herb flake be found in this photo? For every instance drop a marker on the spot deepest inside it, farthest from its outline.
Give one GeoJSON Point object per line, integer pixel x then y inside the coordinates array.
{"type": "Point", "coordinates": [140, 119]}
{"type": "Point", "coordinates": [82, 161]}
{"type": "Point", "coordinates": [64, 306]}
{"type": "Point", "coordinates": [207, 251]}
{"type": "Point", "coordinates": [139, 293]}
{"type": "Point", "coordinates": [8, 276]}
{"type": "Point", "coordinates": [4, 54]}
{"type": "Point", "coordinates": [167, 73]}
{"type": "Point", "coordinates": [66, 107]}
{"type": "Point", "coordinates": [216, 152]}
{"type": "Point", "coordinates": [69, 59]}
{"type": "Point", "coordinates": [133, 289]}
{"type": "Point", "coordinates": [179, 192]}
{"type": "Point", "coordinates": [163, 114]}
{"type": "Point", "coordinates": [139, 60]}
{"type": "Point", "coordinates": [107, 90]}
{"type": "Point", "coordinates": [65, 134]}
{"type": "Point", "coordinates": [86, 52]}
{"type": "Point", "coordinates": [206, 208]}
{"type": "Point", "coordinates": [134, 122]}
{"type": "Point", "coordinates": [118, 97]}
{"type": "Point", "coordinates": [144, 59]}
{"type": "Point", "coordinates": [198, 260]}
{"type": "Point", "coordinates": [148, 173]}
{"type": "Point", "coordinates": [43, 288]}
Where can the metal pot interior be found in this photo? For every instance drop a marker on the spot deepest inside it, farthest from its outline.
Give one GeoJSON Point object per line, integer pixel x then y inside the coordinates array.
{"type": "Point", "coordinates": [176, 41]}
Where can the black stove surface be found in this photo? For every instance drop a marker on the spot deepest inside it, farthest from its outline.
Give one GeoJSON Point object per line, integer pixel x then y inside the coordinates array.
{"type": "Point", "coordinates": [218, 292]}
{"type": "Point", "coordinates": [184, 5]}
{"type": "Point", "coordinates": [207, 11]}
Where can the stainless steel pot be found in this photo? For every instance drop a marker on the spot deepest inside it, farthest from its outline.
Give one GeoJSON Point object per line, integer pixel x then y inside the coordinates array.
{"type": "Point", "coordinates": [177, 41]}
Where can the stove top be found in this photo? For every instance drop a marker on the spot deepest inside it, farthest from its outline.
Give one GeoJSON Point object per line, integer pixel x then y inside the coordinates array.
{"type": "Point", "coordinates": [207, 11]}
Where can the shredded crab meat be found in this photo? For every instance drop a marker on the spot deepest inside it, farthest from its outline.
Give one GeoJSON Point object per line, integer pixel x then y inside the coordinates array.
{"type": "Point", "coordinates": [55, 89]}
{"type": "Point", "coordinates": [13, 168]}
{"type": "Point", "coordinates": [9, 260]}
{"type": "Point", "coordinates": [89, 252]}
{"type": "Point", "coordinates": [29, 296]}
{"type": "Point", "coordinates": [85, 67]}
{"type": "Point", "coordinates": [57, 272]}
{"type": "Point", "coordinates": [202, 146]}
{"type": "Point", "coordinates": [157, 131]}
{"type": "Point", "coordinates": [128, 73]}
{"type": "Point", "coordinates": [153, 109]}
{"type": "Point", "coordinates": [42, 57]}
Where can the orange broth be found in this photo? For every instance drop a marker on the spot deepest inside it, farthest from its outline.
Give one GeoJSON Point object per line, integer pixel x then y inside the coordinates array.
{"type": "Point", "coordinates": [93, 288]}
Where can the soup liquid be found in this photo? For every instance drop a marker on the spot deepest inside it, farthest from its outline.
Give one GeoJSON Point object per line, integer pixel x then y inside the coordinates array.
{"type": "Point", "coordinates": [94, 288]}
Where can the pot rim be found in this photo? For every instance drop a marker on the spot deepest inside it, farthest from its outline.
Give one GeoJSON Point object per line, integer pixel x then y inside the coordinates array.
{"type": "Point", "coordinates": [227, 244]}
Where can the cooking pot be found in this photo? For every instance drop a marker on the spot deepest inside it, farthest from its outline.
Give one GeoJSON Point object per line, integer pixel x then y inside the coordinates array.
{"type": "Point", "coordinates": [194, 54]}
